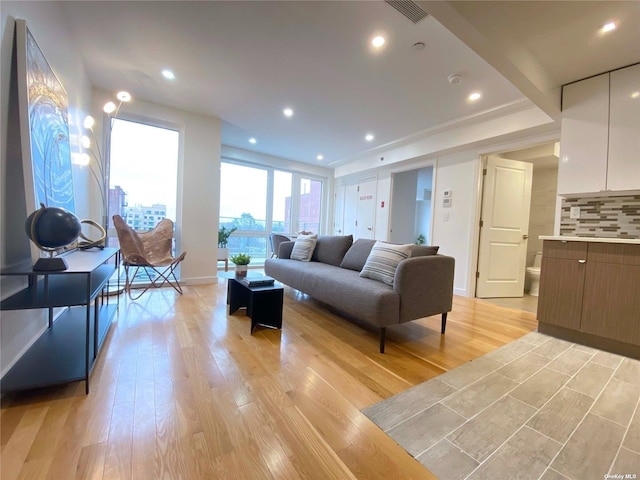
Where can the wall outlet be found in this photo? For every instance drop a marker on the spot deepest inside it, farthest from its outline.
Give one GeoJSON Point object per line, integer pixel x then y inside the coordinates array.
{"type": "Point", "coordinates": [574, 212]}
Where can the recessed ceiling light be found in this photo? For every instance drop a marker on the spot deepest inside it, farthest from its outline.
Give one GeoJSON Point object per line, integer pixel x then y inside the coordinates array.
{"type": "Point", "coordinates": [608, 27]}
{"type": "Point", "coordinates": [474, 96]}
{"type": "Point", "coordinates": [288, 112]}
{"type": "Point", "coordinates": [168, 74]}
{"type": "Point", "coordinates": [378, 41]}
{"type": "Point", "coordinates": [635, 95]}
{"type": "Point", "coordinates": [416, 47]}
{"type": "Point", "coordinates": [320, 157]}
{"type": "Point", "coordinates": [253, 140]}
{"type": "Point", "coordinates": [369, 136]}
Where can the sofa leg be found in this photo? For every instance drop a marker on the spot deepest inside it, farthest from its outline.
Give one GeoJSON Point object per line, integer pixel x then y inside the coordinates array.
{"type": "Point", "coordinates": [383, 331]}
{"type": "Point", "coordinates": [444, 322]}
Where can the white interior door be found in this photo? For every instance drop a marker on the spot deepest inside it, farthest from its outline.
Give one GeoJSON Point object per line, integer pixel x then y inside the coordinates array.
{"type": "Point", "coordinates": [366, 213]}
{"type": "Point", "coordinates": [338, 214]}
{"type": "Point", "coordinates": [504, 228]}
{"type": "Point", "coordinates": [350, 210]}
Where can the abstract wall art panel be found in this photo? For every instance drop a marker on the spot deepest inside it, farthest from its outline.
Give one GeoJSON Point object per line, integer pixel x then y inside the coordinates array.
{"type": "Point", "coordinates": [44, 127]}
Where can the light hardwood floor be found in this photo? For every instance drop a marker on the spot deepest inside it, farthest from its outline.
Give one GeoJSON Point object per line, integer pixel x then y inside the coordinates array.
{"type": "Point", "coordinates": [182, 390]}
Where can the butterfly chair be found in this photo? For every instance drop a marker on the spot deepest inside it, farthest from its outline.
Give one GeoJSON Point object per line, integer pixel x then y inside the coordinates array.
{"type": "Point", "coordinates": [150, 251]}
{"type": "Point", "coordinates": [276, 239]}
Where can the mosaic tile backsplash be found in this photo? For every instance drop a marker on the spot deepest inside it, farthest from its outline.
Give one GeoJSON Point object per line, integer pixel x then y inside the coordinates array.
{"type": "Point", "coordinates": [609, 217]}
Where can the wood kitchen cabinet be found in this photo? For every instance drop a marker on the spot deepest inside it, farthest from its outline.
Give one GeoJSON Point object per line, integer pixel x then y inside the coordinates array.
{"type": "Point", "coordinates": [590, 293]}
{"type": "Point", "coordinates": [611, 305]}
{"type": "Point", "coordinates": [562, 283]}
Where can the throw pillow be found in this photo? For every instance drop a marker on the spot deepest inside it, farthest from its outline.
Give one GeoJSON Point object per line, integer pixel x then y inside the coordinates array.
{"type": "Point", "coordinates": [424, 250]}
{"type": "Point", "coordinates": [330, 249]}
{"type": "Point", "coordinates": [357, 255]}
{"type": "Point", "coordinates": [304, 247]}
{"type": "Point", "coordinates": [383, 261]}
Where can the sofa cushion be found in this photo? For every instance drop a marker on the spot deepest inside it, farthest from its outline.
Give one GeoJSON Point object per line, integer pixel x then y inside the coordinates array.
{"type": "Point", "coordinates": [362, 298]}
{"type": "Point", "coordinates": [423, 250]}
{"type": "Point", "coordinates": [383, 261]}
{"type": "Point", "coordinates": [357, 255]}
{"type": "Point", "coordinates": [330, 249]}
{"type": "Point", "coordinates": [303, 248]}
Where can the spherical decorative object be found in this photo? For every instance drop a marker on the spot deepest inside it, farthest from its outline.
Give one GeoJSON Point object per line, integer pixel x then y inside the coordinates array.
{"type": "Point", "coordinates": [51, 228]}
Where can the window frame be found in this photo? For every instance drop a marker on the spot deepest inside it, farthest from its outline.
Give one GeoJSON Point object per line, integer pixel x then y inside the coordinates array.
{"type": "Point", "coordinates": [296, 177]}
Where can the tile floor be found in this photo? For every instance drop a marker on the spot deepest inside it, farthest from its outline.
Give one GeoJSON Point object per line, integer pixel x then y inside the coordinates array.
{"type": "Point", "coordinates": [537, 408]}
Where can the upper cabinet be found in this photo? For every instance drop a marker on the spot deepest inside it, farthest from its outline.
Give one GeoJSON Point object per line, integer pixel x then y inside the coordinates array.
{"type": "Point", "coordinates": [624, 130]}
{"type": "Point", "coordinates": [600, 136]}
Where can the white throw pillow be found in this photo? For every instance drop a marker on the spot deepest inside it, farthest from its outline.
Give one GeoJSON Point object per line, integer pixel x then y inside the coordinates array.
{"type": "Point", "coordinates": [304, 247]}
{"type": "Point", "coordinates": [383, 260]}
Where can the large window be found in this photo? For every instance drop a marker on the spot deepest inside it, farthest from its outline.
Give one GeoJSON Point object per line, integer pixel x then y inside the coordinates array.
{"type": "Point", "coordinates": [143, 176]}
{"type": "Point", "coordinates": [310, 201]}
{"type": "Point", "coordinates": [259, 200]}
{"type": "Point", "coordinates": [243, 205]}
{"type": "Point", "coordinates": [281, 216]}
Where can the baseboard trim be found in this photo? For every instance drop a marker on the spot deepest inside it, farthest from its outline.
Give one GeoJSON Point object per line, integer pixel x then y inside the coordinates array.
{"type": "Point", "coordinates": [607, 344]}
{"type": "Point", "coordinates": [199, 280]}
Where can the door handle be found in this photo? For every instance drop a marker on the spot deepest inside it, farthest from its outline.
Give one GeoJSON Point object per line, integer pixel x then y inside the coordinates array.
{"type": "Point", "coordinates": [369, 228]}
{"type": "Point", "coordinates": [525, 236]}
{"type": "Point", "coordinates": [582, 261]}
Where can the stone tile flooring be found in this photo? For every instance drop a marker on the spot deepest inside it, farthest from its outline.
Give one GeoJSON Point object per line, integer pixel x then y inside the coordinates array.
{"type": "Point", "coordinates": [537, 408]}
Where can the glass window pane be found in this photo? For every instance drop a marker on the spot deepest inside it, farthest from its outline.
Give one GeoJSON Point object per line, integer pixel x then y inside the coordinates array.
{"type": "Point", "coordinates": [310, 204]}
{"type": "Point", "coordinates": [256, 246]}
{"type": "Point", "coordinates": [281, 222]}
{"type": "Point", "coordinates": [243, 198]}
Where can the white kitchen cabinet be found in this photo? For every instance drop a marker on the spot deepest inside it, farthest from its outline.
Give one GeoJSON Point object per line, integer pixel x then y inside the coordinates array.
{"type": "Point", "coordinates": [624, 130]}
{"type": "Point", "coordinates": [600, 136]}
{"type": "Point", "coordinates": [584, 136]}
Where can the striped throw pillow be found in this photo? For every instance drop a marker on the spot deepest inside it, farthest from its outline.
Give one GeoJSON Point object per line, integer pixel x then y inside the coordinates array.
{"type": "Point", "coordinates": [304, 247]}
{"type": "Point", "coordinates": [383, 260]}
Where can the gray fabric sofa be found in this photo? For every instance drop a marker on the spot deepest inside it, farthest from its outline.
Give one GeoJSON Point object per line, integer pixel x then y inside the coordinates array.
{"type": "Point", "coordinates": [423, 283]}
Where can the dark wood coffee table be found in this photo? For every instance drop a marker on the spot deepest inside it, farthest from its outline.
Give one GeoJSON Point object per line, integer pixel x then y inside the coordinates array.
{"type": "Point", "coordinates": [263, 304]}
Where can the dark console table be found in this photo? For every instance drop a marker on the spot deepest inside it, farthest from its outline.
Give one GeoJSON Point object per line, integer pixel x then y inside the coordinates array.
{"type": "Point", "coordinates": [68, 349]}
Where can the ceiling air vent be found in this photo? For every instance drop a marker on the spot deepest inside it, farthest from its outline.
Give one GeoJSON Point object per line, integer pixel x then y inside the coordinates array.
{"type": "Point", "coordinates": [409, 9]}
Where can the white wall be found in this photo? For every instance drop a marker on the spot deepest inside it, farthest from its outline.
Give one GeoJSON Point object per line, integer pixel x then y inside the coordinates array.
{"type": "Point", "coordinates": [18, 329]}
{"type": "Point", "coordinates": [543, 208]}
{"type": "Point", "coordinates": [454, 227]}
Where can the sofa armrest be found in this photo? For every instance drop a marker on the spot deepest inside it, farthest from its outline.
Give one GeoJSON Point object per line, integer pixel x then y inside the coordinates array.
{"type": "Point", "coordinates": [425, 286]}
{"type": "Point", "coordinates": [285, 249]}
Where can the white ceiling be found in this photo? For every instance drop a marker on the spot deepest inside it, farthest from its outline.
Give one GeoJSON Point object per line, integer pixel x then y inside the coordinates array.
{"type": "Point", "coordinates": [245, 61]}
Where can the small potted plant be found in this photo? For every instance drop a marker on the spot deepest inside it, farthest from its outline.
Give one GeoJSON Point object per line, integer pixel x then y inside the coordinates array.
{"type": "Point", "coordinates": [223, 239]}
{"type": "Point", "coordinates": [241, 261]}
{"type": "Point", "coordinates": [420, 240]}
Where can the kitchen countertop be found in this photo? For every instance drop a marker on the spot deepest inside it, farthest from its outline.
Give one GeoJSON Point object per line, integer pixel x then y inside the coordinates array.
{"type": "Point", "coordinates": [590, 239]}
